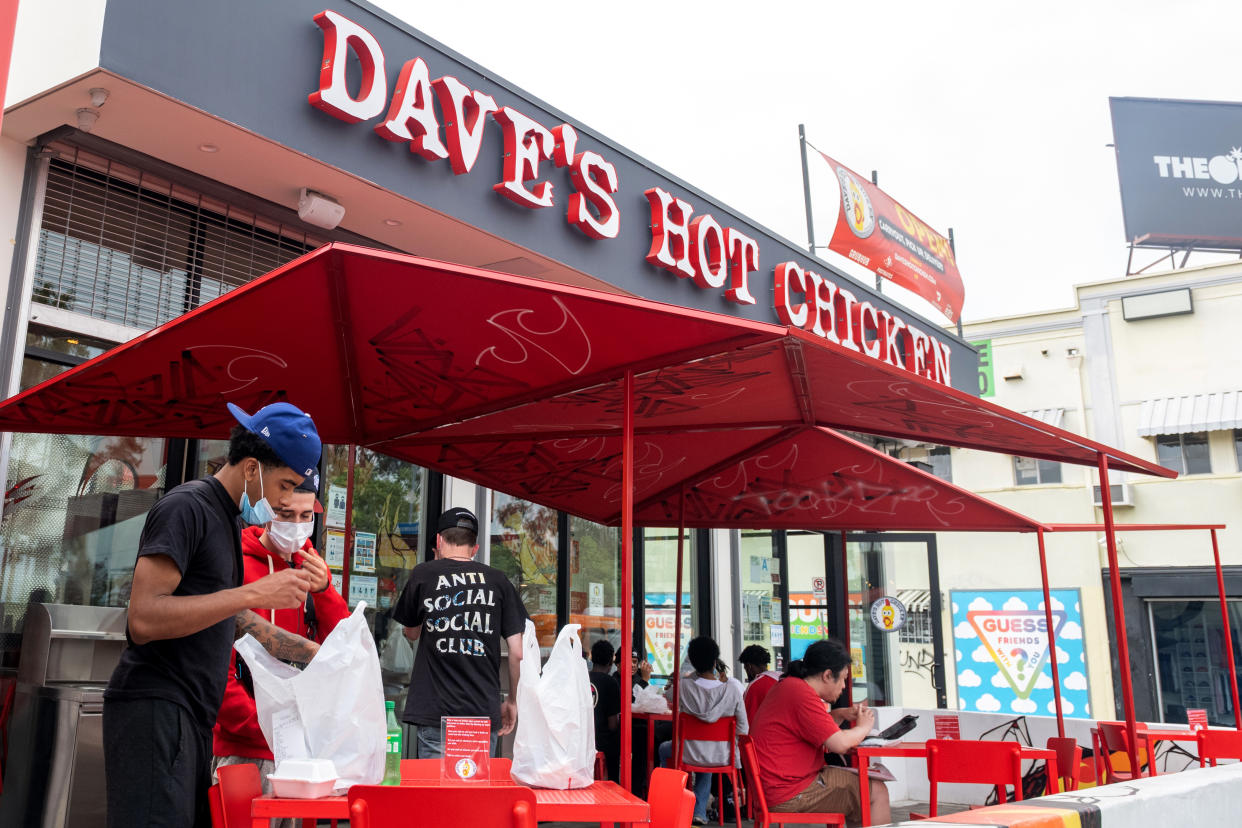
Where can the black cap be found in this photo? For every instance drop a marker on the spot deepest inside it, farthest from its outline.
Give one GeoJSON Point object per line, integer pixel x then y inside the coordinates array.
{"type": "Point", "coordinates": [458, 518]}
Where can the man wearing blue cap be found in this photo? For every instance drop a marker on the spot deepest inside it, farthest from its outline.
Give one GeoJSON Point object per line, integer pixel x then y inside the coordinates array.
{"type": "Point", "coordinates": [187, 605]}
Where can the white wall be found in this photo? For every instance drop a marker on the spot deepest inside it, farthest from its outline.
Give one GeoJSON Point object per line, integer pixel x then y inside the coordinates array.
{"type": "Point", "coordinates": [55, 41]}
{"type": "Point", "coordinates": [12, 170]}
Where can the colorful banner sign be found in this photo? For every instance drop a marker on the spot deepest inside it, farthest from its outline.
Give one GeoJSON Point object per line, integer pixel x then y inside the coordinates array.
{"type": "Point", "coordinates": [887, 239]}
{"type": "Point", "coordinates": [1002, 657]}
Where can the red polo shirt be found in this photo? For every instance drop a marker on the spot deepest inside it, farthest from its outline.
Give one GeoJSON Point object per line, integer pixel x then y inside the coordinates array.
{"type": "Point", "coordinates": [756, 691]}
{"type": "Point", "coordinates": [789, 732]}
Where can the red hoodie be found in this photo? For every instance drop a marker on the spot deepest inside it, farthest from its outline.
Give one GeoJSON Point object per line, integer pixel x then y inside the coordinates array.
{"type": "Point", "coordinates": [237, 730]}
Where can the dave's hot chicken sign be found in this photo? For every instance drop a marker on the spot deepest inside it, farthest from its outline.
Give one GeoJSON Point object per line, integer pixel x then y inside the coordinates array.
{"type": "Point", "coordinates": [443, 121]}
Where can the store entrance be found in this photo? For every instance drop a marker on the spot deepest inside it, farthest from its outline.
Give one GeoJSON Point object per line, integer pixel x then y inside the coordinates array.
{"type": "Point", "coordinates": [903, 665]}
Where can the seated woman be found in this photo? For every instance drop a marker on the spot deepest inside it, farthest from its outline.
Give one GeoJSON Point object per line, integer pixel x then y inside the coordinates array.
{"type": "Point", "coordinates": [793, 729]}
{"type": "Point", "coordinates": [708, 696]}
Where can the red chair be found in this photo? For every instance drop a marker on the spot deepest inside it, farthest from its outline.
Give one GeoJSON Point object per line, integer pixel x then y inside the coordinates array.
{"type": "Point", "coordinates": [1219, 744]}
{"type": "Point", "coordinates": [434, 806]}
{"type": "Point", "coordinates": [217, 806]}
{"type": "Point", "coordinates": [239, 785]}
{"type": "Point", "coordinates": [6, 713]}
{"type": "Point", "coordinates": [759, 802]}
{"type": "Point", "coordinates": [428, 770]}
{"type": "Point", "coordinates": [1069, 761]}
{"type": "Point", "coordinates": [694, 729]}
{"type": "Point", "coordinates": [1115, 742]}
{"type": "Point", "coordinates": [967, 761]}
{"type": "Point", "coordinates": [666, 793]}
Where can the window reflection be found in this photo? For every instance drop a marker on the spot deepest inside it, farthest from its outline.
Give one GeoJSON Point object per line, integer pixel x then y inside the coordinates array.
{"type": "Point", "coordinates": [524, 541]}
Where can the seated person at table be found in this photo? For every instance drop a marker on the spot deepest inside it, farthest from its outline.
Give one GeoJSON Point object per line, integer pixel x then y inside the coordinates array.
{"type": "Point", "coordinates": [759, 679]}
{"type": "Point", "coordinates": [793, 729]}
{"type": "Point", "coordinates": [640, 669]}
{"type": "Point", "coordinates": [606, 698]}
{"type": "Point", "coordinates": [707, 697]}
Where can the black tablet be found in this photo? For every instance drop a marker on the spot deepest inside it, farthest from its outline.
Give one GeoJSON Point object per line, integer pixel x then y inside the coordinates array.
{"type": "Point", "coordinates": [899, 728]}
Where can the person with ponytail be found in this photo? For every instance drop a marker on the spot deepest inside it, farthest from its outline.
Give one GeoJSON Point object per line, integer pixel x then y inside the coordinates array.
{"type": "Point", "coordinates": [795, 726]}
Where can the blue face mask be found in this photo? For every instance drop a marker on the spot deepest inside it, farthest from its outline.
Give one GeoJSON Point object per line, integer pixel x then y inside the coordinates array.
{"type": "Point", "coordinates": [261, 512]}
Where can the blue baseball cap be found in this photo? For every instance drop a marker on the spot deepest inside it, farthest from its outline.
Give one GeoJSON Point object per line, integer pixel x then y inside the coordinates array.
{"type": "Point", "coordinates": [289, 431]}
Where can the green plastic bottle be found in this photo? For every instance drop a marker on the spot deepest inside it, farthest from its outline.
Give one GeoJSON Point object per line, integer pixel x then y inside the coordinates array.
{"type": "Point", "coordinates": [392, 754]}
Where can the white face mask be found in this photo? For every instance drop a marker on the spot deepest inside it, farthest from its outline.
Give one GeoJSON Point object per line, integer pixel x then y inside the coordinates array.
{"type": "Point", "coordinates": [288, 537]}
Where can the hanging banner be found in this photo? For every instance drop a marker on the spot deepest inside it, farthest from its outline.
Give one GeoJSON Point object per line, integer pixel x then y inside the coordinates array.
{"type": "Point", "coordinates": [887, 239]}
{"type": "Point", "coordinates": [1002, 653]}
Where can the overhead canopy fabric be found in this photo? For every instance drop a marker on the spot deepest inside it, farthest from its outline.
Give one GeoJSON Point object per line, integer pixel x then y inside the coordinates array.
{"type": "Point", "coordinates": [418, 358]}
{"type": "Point", "coordinates": [1189, 413]}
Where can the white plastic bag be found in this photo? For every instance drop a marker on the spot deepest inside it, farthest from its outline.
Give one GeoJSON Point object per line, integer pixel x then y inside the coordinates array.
{"type": "Point", "coordinates": [555, 742]}
{"type": "Point", "coordinates": [334, 709]}
{"type": "Point", "coordinates": [649, 699]}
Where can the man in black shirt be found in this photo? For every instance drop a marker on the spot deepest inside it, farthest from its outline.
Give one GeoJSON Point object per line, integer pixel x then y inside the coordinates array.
{"type": "Point", "coordinates": [606, 697]}
{"type": "Point", "coordinates": [187, 605]}
{"type": "Point", "coordinates": [459, 610]}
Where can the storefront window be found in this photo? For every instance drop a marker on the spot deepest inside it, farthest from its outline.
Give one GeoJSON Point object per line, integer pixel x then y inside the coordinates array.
{"type": "Point", "coordinates": [659, 597]}
{"type": "Point", "coordinates": [1184, 453]}
{"type": "Point", "coordinates": [73, 511]}
{"type": "Point", "coordinates": [524, 541]}
{"type": "Point", "coordinates": [1189, 641]}
{"type": "Point", "coordinates": [869, 647]}
{"type": "Point", "coordinates": [595, 581]}
{"type": "Point", "coordinates": [809, 614]}
{"type": "Point", "coordinates": [762, 621]}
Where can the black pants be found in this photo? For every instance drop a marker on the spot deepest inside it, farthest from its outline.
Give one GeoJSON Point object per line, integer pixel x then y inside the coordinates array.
{"type": "Point", "coordinates": [157, 760]}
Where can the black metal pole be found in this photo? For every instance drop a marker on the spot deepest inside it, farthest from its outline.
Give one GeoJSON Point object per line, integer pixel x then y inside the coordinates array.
{"type": "Point", "coordinates": [806, 191]}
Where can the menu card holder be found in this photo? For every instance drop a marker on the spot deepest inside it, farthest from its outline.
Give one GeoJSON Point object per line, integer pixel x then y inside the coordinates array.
{"type": "Point", "coordinates": [1197, 719]}
{"type": "Point", "coordinates": [467, 749]}
{"type": "Point", "coordinates": [947, 727]}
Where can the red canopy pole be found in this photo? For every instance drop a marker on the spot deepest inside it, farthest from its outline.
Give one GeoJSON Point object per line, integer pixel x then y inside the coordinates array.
{"type": "Point", "coordinates": [627, 578]}
{"type": "Point", "coordinates": [1224, 618]}
{"type": "Point", "coordinates": [1119, 615]}
{"type": "Point", "coordinates": [1052, 634]}
{"type": "Point", "coordinates": [845, 599]}
{"type": "Point", "coordinates": [681, 535]}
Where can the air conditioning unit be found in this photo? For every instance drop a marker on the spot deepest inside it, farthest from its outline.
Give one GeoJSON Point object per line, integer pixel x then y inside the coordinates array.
{"type": "Point", "coordinates": [1119, 492]}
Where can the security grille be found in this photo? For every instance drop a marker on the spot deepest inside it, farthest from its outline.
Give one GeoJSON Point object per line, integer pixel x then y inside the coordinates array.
{"type": "Point", "coordinates": [120, 244]}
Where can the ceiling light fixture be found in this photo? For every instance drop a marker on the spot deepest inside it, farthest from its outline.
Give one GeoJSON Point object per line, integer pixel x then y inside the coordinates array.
{"type": "Point", "coordinates": [208, 148]}
{"type": "Point", "coordinates": [87, 118]}
{"type": "Point", "coordinates": [99, 96]}
{"type": "Point", "coordinates": [392, 222]}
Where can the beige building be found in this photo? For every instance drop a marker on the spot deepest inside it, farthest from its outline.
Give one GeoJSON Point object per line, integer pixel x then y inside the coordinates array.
{"type": "Point", "coordinates": [1148, 364]}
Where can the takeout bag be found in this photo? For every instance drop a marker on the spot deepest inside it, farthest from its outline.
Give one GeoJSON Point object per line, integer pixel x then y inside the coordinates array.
{"type": "Point", "coordinates": [555, 742]}
{"type": "Point", "coordinates": [334, 709]}
{"type": "Point", "coordinates": [649, 699]}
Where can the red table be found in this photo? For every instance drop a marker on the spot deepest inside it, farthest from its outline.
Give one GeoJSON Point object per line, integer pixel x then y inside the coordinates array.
{"type": "Point", "coordinates": [651, 719]}
{"type": "Point", "coordinates": [602, 802]}
{"type": "Point", "coordinates": [862, 758]}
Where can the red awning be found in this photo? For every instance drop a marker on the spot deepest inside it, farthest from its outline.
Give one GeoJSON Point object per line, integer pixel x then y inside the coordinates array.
{"type": "Point", "coordinates": [431, 360]}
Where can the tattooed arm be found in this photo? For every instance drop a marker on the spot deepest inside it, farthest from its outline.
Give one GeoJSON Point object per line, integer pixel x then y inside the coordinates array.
{"type": "Point", "coordinates": [280, 643]}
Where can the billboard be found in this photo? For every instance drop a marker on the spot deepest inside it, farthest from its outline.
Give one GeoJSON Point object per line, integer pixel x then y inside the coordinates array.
{"type": "Point", "coordinates": [890, 241]}
{"type": "Point", "coordinates": [1179, 166]}
{"type": "Point", "coordinates": [1002, 658]}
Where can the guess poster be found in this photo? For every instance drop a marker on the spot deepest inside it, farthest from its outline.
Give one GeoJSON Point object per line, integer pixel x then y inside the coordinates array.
{"type": "Point", "coordinates": [1002, 655]}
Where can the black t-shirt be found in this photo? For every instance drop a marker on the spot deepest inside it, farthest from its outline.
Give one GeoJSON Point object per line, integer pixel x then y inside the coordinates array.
{"type": "Point", "coordinates": [464, 608]}
{"type": "Point", "coordinates": [196, 526]}
{"type": "Point", "coordinates": [606, 698]}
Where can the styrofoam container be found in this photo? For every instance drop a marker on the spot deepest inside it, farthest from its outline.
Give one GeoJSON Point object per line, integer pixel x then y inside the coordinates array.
{"type": "Point", "coordinates": [303, 778]}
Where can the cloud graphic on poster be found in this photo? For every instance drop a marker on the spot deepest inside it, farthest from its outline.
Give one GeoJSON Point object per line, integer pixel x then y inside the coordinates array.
{"type": "Point", "coordinates": [1067, 707]}
{"type": "Point", "coordinates": [1015, 603]}
{"type": "Point", "coordinates": [1056, 604]}
{"type": "Point", "coordinates": [1023, 706]}
{"type": "Point", "coordinates": [988, 703]}
{"type": "Point", "coordinates": [964, 630]}
{"type": "Point", "coordinates": [1075, 681]}
{"type": "Point", "coordinates": [1043, 682]}
{"type": "Point", "coordinates": [961, 704]}
{"type": "Point", "coordinates": [969, 678]}
{"type": "Point", "coordinates": [980, 604]}
{"type": "Point", "coordinates": [955, 607]}
{"type": "Point", "coordinates": [1077, 608]}
{"type": "Point", "coordinates": [1062, 656]}
{"type": "Point", "coordinates": [999, 681]}
{"type": "Point", "coordinates": [1071, 631]}
{"type": "Point", "coordinates": [959, 654]}
{"type": "Point", "coordinates": [981, 655]}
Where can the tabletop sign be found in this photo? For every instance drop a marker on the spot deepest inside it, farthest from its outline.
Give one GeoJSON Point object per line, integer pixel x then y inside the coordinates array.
{"type": "Point", "coordinates": [467, 748]}
{"type": "Point", "coordinates": [947, 727]}
{"type": "Point", "coordinates": [1197, 719]}
{"type": "Point", "coordinates": [888, 614]}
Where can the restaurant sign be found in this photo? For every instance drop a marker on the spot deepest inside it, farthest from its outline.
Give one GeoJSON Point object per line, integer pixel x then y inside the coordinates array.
{"type": "Point", "coordinates": [443, 120]}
